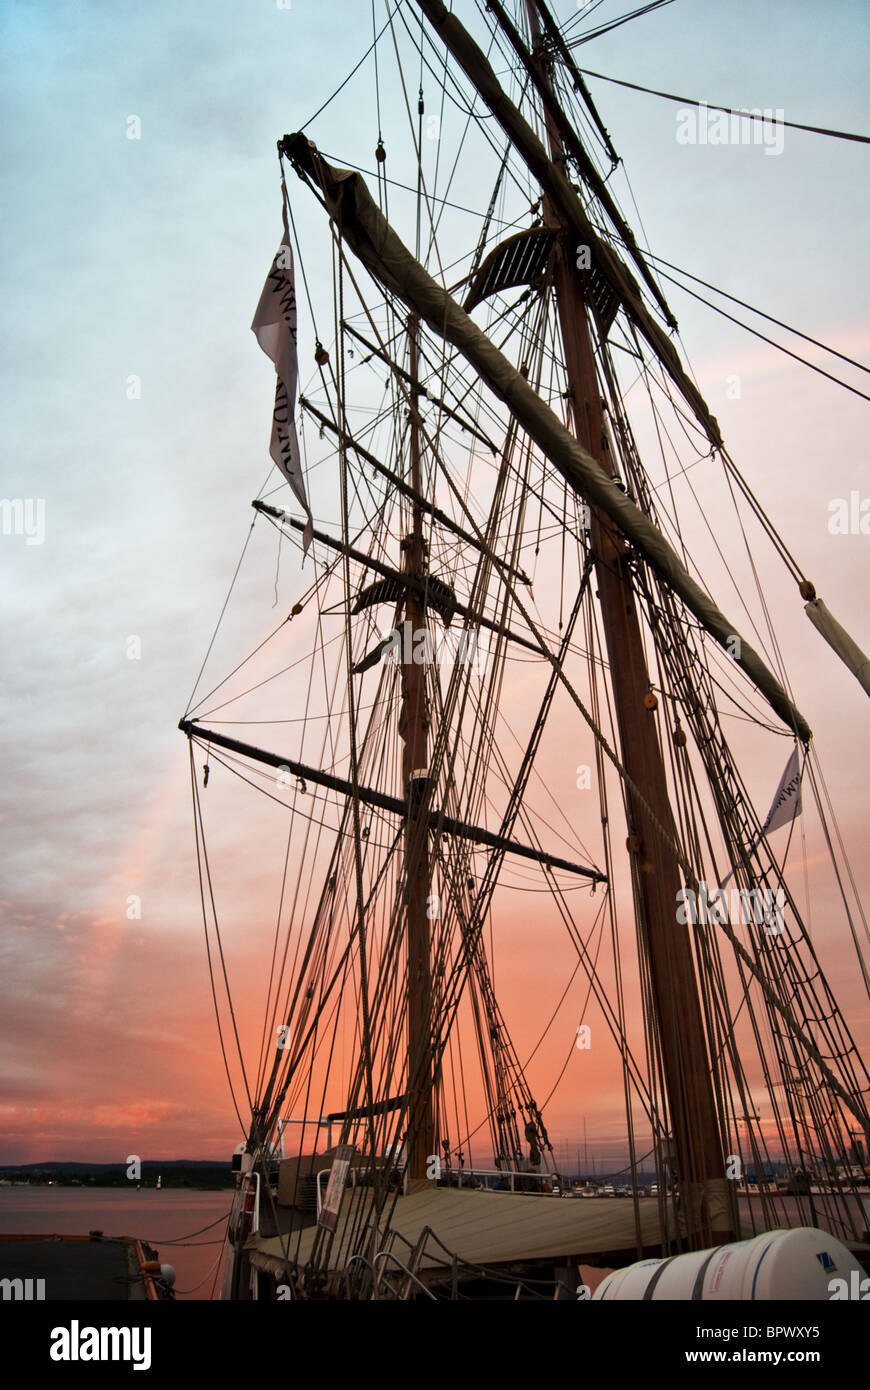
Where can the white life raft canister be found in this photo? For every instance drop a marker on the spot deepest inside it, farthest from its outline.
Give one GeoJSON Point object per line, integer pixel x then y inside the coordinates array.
{"type": "Point", "coordinates": [797, 1264]}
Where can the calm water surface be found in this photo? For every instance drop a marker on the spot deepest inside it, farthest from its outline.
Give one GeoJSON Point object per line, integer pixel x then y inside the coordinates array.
{"type": "Point", "coordinates": [159, 1217]}
{"type": "Point", "coordinates": [147, 1214]}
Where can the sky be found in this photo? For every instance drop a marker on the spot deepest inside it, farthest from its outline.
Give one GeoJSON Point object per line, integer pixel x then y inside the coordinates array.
{"type": "Point", "coordinates": [136, 408]}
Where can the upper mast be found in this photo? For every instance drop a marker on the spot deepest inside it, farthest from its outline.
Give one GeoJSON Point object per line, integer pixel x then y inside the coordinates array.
{"type": "Point", "coordinates": [655, 869]}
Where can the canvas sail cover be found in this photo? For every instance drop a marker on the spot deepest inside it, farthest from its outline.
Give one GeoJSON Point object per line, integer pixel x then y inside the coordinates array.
{"type": "Point", "coordinates": [274, 325]}
{"type": "Point", "coordinates": [847, 650]}
{"type": "Point", "coordinates": [481, 1228]}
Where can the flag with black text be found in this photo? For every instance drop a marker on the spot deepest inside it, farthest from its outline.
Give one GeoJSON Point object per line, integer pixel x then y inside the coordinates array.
{"type": "Point", "coordinates": [275, 327]}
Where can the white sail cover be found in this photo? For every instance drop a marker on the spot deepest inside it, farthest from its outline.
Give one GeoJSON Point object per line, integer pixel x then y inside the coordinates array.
{"type": "Point", "coordinates": [787, 802]}
{"type": "Point", "coordinates": [275, 328]}
{"type": "Point", "coordinates": [847, 650]}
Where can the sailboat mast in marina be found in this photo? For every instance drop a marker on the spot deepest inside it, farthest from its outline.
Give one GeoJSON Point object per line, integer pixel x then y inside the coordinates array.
{"type": "Point", "coordinates": [491, 567]}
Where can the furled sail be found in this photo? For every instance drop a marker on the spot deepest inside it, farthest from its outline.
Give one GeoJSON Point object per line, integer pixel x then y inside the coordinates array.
{"type": "Point", "coordinates": [837, 637]}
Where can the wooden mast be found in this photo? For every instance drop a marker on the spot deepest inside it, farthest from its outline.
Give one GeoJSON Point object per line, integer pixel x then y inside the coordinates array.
{"type": "Point", "coordinates": [655, 869]}
{"type": "Point", "coordinates": [414, 726]}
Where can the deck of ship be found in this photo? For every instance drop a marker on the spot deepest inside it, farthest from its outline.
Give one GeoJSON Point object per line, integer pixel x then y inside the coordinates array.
{"type": "Point", "coordinates": [484, 1228]}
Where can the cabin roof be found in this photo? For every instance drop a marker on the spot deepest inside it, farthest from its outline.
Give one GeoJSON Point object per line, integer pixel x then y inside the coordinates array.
{"type": "Point", "coordinates": [484, 1228]}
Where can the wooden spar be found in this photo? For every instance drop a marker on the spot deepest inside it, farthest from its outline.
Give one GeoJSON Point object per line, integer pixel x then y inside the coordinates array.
{"type": "Point", "coordinates": [414, 729]}
{"type": "Point", "coordinates": [366, 231]}
{"type": "Point", "coordinates": [465, 425]}
{"type": "Point", "coordinates": [401, 486]}
{"type": "Point", "coordinates": [410, 582]}
{"type": "Point", "coordinates": [555, 36]}
{"type": "Point", "coordinates": [369, 796]}
{"type": "Point", "coordinates": [655, 868]}
{"type": "Point", "coordinates": [566, 203]}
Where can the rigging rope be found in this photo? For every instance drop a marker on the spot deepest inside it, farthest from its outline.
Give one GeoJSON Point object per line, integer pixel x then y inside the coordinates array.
{"type": "Point", "coordinates": [730, 110]}
{"type": "Point", "coordinates": [756, 333]}
{"type": "Point", "coordinates": [779, 1004]}
{"type": "Point", "coordinates": [615, 23]}
{"type": "Point", "coordinates": [753, 309]}
{"type": "Point", "coordinates": [353, 70]}
{"type": "Point", "coordinates": [200, 853]}
{"type": "Point", "coordinates": [486, 750]}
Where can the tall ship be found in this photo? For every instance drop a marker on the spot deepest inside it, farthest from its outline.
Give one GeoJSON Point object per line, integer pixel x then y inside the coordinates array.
{"type": "Point", "coordinates": [495, 704]}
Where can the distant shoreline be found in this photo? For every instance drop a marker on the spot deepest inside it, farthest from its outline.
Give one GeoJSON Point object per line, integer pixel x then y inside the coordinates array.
{"type": "Point", "coordinates": [174, 1174]}
{"type": "Point", "coordinates": [117, 1186]}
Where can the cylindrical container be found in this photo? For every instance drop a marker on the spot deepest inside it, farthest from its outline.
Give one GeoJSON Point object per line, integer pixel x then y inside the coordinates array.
{"type": "Point", "coordinates": [799, 1264]}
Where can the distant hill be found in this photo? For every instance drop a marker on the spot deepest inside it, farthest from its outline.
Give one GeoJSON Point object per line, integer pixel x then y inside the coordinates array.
{"type": "Point", "coordinates": [158, 1164]}
{"type": "Point", "coordinates": [173, 1172]}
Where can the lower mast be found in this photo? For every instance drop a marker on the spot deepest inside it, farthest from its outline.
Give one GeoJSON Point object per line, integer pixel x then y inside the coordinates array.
{"type": "Point", "coordinates": [414, 728]}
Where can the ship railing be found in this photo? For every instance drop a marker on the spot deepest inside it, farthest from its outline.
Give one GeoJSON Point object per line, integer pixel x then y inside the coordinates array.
{"type": "Point", "coordinates": [410, 1277]}
{"type": "Point", "coordinates": [322, 1123]}
{"type": "Point", "coordinates": [485, 1179]}
{"type": "Point", "coordinates": [379, 1284]}
{"type": "Point", "coordinates": [447, 1265]}
{"type": "Point", "coordinates": [495, 1179]}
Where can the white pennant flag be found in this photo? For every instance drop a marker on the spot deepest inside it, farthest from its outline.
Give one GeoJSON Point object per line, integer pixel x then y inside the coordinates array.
{"type": "Point", "coordinates": [275, 326]}
{"type": "Point", "coordinates": [786, 805]}
{"type": "Point", "coordinates": [787, 802]}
